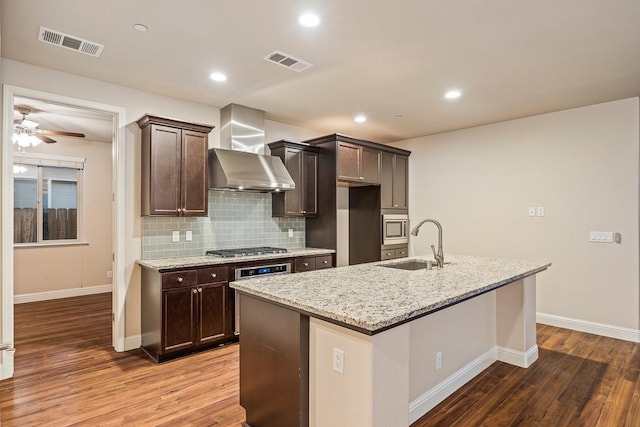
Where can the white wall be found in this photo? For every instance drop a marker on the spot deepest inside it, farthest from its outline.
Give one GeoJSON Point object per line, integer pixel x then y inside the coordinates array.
{"type": "Point", "coordinates": [581, 165]}
{"type": "Point", "coordinates": [55, 268]}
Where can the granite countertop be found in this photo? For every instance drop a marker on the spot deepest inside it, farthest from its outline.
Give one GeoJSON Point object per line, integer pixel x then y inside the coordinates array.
{"type": "Point", "coordinates": [370, 298]}
{"type": "Point", "coordinates": [196, 261]}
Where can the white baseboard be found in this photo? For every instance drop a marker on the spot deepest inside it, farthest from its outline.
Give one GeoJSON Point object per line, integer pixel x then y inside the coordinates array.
{"type": "Point", "coordinates": [132, 342]}
{"type": "Point", "coordinates": [62, 293]}
{"type": "Point", "coordinates": [517, 358]}
{"type": "Point", "coordinates": [605, 330]}
{"type": "Point", "coordinates": [446, 388]}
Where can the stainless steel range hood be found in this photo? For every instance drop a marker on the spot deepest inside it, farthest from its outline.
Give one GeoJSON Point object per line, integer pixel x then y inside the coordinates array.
{"type": "Point", "coordinates": [240, 164]}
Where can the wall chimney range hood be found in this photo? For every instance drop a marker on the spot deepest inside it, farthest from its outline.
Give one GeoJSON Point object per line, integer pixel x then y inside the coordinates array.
{"type": "Point", "coordinates": [240, 164]}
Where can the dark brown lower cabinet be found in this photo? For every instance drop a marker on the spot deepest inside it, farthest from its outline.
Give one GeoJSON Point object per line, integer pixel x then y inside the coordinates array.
{"type": "Point", "coordinates": [274, 364]}
{"type": "Point", "coordinates": [186, 310]}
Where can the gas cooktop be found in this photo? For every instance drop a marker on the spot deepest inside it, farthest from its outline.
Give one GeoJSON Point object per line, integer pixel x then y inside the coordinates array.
{"type": "Point", "coordinates": [232, 253]}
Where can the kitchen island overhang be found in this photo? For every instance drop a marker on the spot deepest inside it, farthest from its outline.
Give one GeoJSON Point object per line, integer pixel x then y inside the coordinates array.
{"type": "Point", "coordinates": [390, 324]}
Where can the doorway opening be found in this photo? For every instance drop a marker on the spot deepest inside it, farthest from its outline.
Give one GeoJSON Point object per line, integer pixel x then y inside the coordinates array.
{"type": "Point", "coordinates": [69, 218]}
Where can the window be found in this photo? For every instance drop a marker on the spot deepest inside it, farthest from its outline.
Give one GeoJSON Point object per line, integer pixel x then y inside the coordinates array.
{"type": "Point", "coordinates": [47, 194]}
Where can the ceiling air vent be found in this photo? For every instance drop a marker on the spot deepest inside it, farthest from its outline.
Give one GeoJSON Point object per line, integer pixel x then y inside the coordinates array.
{"type": "Point", "coordinates": [77, 44]}
{"type": "Point", "coordinates": [288, 61]}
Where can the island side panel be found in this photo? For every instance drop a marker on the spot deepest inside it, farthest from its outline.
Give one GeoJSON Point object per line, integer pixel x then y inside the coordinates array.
{"type": "Point", "coordinates": [373, 389]}
{"type": "Point", "coordinates": [274, 364]}
{"type": "Point", "coordinates": [516, 322]}
{"type": "Point", "coordinates": [465, 336]}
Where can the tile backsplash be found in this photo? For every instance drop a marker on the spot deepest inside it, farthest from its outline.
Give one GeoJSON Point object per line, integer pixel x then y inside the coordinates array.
{"type": "Point", "coordinates": [236, 219]}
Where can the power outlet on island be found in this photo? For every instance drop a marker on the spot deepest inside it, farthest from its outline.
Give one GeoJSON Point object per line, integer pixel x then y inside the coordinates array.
{"type": "Point", "coordinates": [338, 360]}
{"type": "Point", "coordinates": [438, 360]}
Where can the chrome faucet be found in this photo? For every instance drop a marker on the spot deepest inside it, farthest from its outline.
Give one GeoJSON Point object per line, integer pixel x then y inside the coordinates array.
{"type": "Point", "coordinates": [439, 256]}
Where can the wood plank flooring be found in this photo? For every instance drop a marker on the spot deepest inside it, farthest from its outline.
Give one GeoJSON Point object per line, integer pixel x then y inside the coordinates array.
{"type": "Point", "coordinates": [579, 380]}
{"type": "Point", "coordinates": [68, 374]}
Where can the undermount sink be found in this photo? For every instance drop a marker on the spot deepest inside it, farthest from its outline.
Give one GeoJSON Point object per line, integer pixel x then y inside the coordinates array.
{"type": "Point", "coordinates": [412, 265]}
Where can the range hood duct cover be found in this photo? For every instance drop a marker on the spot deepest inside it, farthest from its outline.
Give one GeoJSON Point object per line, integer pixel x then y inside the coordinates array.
{"type": "Point", "coordinates": [240, 164]}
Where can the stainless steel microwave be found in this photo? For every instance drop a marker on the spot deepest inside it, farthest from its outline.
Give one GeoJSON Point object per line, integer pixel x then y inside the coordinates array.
{"type": "Point", "coordinates": [395, 229]}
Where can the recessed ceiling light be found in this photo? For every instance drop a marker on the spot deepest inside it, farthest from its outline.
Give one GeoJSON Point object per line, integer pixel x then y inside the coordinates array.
{"type": "Point", "coordinates": [309, 20]}
{"type": "Point", "coordinates": [453, 94]}
{"type": "Point", "coordinates": [360, 118]}
{"type": "Point", "coordinates": [218, 77]}
{"type": "Point", "coordinates": [140, 27]}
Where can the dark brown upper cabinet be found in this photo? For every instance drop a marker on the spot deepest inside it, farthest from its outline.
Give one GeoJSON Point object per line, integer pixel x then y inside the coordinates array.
{"type": "Point", "coordinates": [358, 163]}
{"type": "Point", "coordinates": [393, 183]}
{"type": "Point", "coordinates": [174, 167]}
{"type": "Point", "coordinates": [302, 163]}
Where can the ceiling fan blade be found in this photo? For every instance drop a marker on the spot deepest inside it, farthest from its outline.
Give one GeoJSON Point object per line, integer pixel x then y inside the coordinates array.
{"type": "Point", "coordinates": [44, 138]}
{"type": "Point", "coordinates": [60, 132]}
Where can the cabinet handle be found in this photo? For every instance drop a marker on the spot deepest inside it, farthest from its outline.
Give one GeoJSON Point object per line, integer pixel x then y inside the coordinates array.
{"type": "Point", "coordinates": [200, 290]}
{"type": "Point", "coordinates": [195, 291]}
{"type": "Point", "coordinates": [388, 253]}
{"type": "Point", "coordinates": [325, 262]}
{"type": "Point", "coordinates": [303, 212]}
{"type": "Point", "coordinates": [180, 280]}
{"type": "Point", "coordinates": [395, 206]}
{"type": "Point", "coordinates": [214, 275]}
{"type": "Point", "coordinates": [306, 264]}
{"type": "Point", "coordinates": [361, 177]}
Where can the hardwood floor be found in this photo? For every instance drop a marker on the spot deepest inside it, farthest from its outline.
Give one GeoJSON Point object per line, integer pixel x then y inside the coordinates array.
{"type": "Point", "coordinates": [579, 380]}
{"type": "Point", "coordinates": [68, 374]}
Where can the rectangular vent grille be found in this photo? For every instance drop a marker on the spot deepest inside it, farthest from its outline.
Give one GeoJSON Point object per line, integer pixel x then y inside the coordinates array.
{"type": "Point", "coordinates": [77, 44]}
{"type": "Point", "coordinates": [288, 61]}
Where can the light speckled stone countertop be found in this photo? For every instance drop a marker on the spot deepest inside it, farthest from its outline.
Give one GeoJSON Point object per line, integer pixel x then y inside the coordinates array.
{"type": "Point", "coordinates": [196, 261]}
{"type": "Point", "coordinates": [370, 298]}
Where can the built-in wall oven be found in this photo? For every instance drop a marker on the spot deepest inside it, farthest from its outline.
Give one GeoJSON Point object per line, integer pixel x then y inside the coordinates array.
{"type": "Point", "coordinates": [395, 229]}
{"type": "Point", "coordinates": [252, 271]}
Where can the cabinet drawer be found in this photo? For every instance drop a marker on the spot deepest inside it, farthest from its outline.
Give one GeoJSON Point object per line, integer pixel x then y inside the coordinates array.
{"type": "Point", "coordinates": [325, 261]}
{"type": "Point", "coordinates": [387, 254]}
{"type": "Point", "coordinates": [305, 264]}
{"type": "Point", "coordinates": [402, 253]}
{"type": "Point", "coordinates": [213, 274]}
{"type": "Point", "coordinates": [179, 279]}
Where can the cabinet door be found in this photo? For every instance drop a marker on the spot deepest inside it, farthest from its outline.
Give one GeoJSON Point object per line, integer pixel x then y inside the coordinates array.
{"type": "Point", "coordinates": [349, 161]}
{"type": "Point", "coordinates": [400, 179]}
{"type": "Point", "coordinates": [309, 183]}
{"type": "Point", "coordinates": [213, 323]}
{"type": "Point", "coordinates": [292, 198]}
{"type": "Point", "coordinates": [370, 165]}
{"type": "Point", "coordinates": [386, 180]}
{"type": "Point", "coordinates": [194, 184]}
{"type": "Point", "coordinates": [178, 321]}
{"type": "Point", "coordinates": [164, 180]}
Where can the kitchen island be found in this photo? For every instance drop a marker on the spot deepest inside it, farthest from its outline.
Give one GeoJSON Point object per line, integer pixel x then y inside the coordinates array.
{"type": "Point", "coordinates": [371, 345]}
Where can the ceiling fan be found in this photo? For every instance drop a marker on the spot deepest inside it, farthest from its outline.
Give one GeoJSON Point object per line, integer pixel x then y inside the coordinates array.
{"type": "Point", "coordinates": [26, 132]}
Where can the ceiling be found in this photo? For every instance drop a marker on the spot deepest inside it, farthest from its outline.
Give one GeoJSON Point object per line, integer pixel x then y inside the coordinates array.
{"type": "Point", "coordinates": [392, 61]}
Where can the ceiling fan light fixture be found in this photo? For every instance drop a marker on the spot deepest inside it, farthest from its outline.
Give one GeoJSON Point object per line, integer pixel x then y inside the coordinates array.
{"type": "Point", "coordinates": [29, 124]}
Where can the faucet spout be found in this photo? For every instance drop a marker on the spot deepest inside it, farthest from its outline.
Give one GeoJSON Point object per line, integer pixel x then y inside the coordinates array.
{"type": "Point", "coordinates": [439, 255]}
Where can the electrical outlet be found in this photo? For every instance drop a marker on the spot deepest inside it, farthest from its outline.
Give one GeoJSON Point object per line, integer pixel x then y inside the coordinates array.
{"type": "Point", "coordinates": [175, 236]}
{"type": "Point", "coordinates": [109, 274]}
{"type": "Point", "coordinates": [188, 236]}
{"type": "Point", "coordinates": [532, 211]}
{"type": "Point", "coordinates": [291, 232]}
{"type": "Point", "coordinates": [540, 210]}
{"type": "Point", "coordinates": [438, 360]}
{"type": "Point", "coordinates": [338, 360]}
